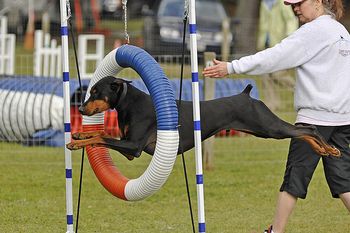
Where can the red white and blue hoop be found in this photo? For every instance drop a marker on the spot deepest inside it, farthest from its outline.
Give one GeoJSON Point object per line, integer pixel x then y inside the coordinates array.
{"type": "Point", "coordinates": [167, 126]}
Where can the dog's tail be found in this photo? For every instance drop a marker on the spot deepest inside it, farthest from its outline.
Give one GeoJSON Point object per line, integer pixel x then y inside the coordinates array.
{"type": "Point", "coordinates": [247, 89]}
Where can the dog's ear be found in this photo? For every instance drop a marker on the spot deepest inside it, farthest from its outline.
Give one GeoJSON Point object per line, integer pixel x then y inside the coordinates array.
{"type": "Point", "coordinates": [117, 83]}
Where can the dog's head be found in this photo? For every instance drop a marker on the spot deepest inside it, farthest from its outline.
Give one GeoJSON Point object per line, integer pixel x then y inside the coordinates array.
{"type": "Point", "coordinates": [105, 94]}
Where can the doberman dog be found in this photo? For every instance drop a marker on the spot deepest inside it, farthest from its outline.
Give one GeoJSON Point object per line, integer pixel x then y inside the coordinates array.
{"type": "Point", "coordinates": [138, 126]}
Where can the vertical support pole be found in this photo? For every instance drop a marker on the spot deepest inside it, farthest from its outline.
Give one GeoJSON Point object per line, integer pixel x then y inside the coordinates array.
{"type": "Point", "coordinates": [209, 94]}
{"type": "Point", "coordinates": [196, 116]}
{"type": "Point", "coordinates": [3, 33]}
{"type": "Point", "coordinates": [89, 56]}
{"type": "Point", "coordinates": [67, 125]}
{"type": "Point", "coordinates": [225, 46]}
{"type": "Point", "coordinates": [53, 59]}
{"type": "Point", "coordinates": [46, 54]}
{"type": "Point", "coordinates": [11, 54]}
{"type": "Point", "coordinates": [38, 47]}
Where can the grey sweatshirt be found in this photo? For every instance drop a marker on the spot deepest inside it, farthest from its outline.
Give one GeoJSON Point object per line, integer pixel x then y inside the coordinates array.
{"type": "Point", "coordinates": [320, 52]}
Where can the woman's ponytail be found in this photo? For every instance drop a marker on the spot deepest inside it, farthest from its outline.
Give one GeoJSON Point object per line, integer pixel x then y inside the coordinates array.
{"type": "Point", "coordinates": [334, 7]}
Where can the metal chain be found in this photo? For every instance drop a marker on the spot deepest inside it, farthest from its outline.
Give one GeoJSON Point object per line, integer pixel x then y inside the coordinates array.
{"type": "Point", "coordinates": [125, 9]}
{"type": "Point", "coordinates": [69, 12]}
{"type": "Point", "coordinates": [186, 9]}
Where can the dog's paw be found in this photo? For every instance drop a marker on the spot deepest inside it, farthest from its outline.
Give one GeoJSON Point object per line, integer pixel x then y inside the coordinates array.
{"type": "Point", "coordinates": [329, 151]}
{"type": "Point", "coordinates": [73, 146]}
{"type": "Point", "coordinates": [78, 136]}
{"type": "Point", "coordinates": [333, 151]}
{"type": "Point", "coordinates": [87, 135]}
{"type": "Point", "coordinates": [321, 151]}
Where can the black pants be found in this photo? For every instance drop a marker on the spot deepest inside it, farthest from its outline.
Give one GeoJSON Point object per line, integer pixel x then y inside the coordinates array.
{"type": "Point", "coordinates": [302, 162]}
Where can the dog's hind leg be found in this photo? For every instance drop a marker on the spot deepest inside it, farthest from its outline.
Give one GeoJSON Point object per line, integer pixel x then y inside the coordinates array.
{"type": "Point", "coordinates": [317, 142]}
{"type": "Point", "coordinates": [257, 119]}
{"type": "Point", "coordinates": [310, 134]}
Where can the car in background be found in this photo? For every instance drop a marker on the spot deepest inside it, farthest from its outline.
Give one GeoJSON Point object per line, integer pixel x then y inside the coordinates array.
{"type": "Point", "coordinates": [111, 8]}
{"type": "Point", "coordinates": [114, 8]}
{"type": "Point", "coordinates": [163, 27]}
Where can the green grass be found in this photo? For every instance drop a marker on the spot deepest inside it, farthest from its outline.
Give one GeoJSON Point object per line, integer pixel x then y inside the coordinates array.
{"type": "Point", "coordinates": [240, 193]}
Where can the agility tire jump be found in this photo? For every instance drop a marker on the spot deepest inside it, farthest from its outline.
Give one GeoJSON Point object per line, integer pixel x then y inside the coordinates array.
{"type": "Point", "coordinates": [164, 102]}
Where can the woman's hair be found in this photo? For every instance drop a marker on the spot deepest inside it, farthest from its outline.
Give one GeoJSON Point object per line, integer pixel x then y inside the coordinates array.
{"type": "Point", "coordinates": [334, 8]}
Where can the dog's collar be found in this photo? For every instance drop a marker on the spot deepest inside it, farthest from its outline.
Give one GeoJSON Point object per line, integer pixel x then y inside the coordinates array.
{"type": "Point", "coordinates": [122, 95]}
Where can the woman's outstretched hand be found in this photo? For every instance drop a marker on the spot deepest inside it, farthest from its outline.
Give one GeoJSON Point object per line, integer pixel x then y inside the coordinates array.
{"type": "Point", "coordinates": [218, 70]}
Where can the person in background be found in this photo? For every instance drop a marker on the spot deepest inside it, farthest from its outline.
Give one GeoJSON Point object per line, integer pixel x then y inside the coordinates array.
{"type": "Point", "coordinates": [320, 52]}
{"type": "Point", "coordinates": [275, 23]}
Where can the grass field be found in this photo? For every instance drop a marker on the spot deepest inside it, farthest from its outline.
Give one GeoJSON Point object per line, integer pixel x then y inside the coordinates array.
{"type": "Point", "coordinates": [240, 193]}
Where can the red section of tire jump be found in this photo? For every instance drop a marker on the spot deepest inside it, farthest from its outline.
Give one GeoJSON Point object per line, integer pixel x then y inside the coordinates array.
{"type": "Point", "coordinates": [104, 168]}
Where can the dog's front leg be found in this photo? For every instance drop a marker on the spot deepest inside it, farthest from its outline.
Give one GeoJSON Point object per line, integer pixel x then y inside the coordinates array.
{"type": "Point", "coordinates": [81, 143]}
{"type": "Point", "coordinates": [128, 148]}
{"type": "Point", "coordinates": [87, 135]}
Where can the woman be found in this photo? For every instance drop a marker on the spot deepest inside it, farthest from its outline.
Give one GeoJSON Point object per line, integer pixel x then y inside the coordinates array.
{"type": "Point", "coordinates": [320, 52]}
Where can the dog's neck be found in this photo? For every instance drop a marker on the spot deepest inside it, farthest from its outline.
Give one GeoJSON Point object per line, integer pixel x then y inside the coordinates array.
{"type": "Point", "coordinates": [122, 96]}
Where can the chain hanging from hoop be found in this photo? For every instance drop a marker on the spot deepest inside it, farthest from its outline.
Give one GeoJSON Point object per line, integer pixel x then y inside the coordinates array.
{"type": "Point", "coordinates": [125, 10]}
{"type": "Point", "coordinates": [186, 9]}
{"type": "Point", "coordinates": [69, 11]}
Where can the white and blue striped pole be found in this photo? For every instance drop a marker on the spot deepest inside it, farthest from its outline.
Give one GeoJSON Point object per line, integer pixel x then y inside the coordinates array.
{"type": "Point", "coordinates": [67, 126]}
{"type": "Point", "coordinates": [196, 115]}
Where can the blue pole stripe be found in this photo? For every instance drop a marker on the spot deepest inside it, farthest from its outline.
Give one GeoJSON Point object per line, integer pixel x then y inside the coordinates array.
{"type": "Point", "coordinates": [69, 173]}
{"type": "Point", "coordinates": [195, 77]}
{"type": "Point", "coordinates": [67, 127]}
{"type": "Point", "coordinates": [65, 76]}
{"type": "Point", "coordinates": [69, 219]}
{"type": "Point", "coordinates": [64, 31]}
{"type": "Point", "coordinates": [199, 179]}
{"type": "Point", "coordinates": [192, 28]}
{"type": "Point", "coordinates": [197, 125]}
{"type": "Point", "coordinates": [201, 227]}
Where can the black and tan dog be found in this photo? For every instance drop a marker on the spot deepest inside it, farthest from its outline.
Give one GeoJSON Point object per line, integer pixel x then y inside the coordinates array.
{"type": "Point", "coordinates": [138, 126]}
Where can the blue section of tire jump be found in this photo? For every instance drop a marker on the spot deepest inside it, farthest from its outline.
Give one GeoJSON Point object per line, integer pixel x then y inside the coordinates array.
{"type": "Point", "coordinates": [160, 90]}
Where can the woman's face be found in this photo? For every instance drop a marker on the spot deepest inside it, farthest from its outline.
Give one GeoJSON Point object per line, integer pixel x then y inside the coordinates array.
{"type": "Point", "coordinates": [308, 10]}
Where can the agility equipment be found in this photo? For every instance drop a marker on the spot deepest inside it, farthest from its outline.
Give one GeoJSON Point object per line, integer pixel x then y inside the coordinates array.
{"type": "Point", "coordinates": [66, 114]}
{"type": "Point", "coordinates": [196, 116]}
{"type": "Point", "coordinates": [47, 55]}
{"type": "Point", "coordinates": [7, 49]}
{"type": "Point", "coordinates": [167, 122]}
{"type": "Point", "coordinates": [28, 105]}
